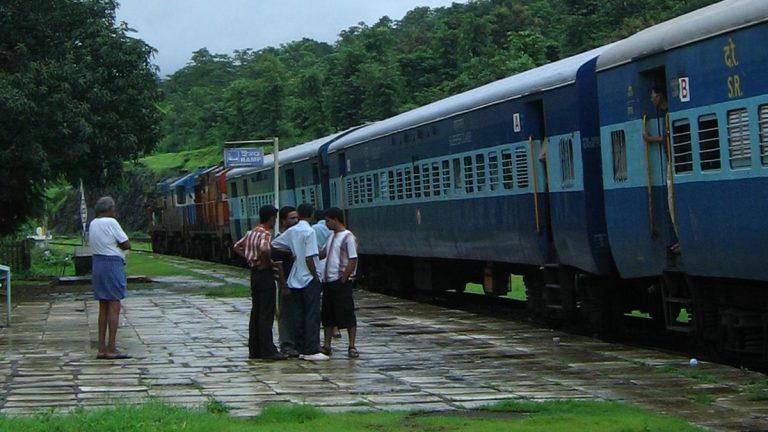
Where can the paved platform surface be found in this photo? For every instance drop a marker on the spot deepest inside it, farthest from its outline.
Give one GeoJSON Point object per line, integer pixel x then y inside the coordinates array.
{"type": "Point", "coordinates": [188, 348]}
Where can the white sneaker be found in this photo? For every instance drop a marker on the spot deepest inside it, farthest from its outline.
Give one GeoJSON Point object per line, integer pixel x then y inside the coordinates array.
{"type": "Point", "coordinates": [315, 357]}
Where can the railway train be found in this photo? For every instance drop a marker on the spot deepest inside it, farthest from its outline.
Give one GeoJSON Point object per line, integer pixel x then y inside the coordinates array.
{"type": "Point", "coordinates": [548, 174]}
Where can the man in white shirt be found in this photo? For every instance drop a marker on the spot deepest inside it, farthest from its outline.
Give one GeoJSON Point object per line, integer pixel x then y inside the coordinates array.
{"type": "Point", "coordinates": [108, 241]}
{"type": "Point", "coordinates": [304, 283]}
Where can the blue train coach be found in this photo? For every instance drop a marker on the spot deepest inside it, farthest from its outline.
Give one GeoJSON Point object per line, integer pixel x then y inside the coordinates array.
{"type": "Point", "coordinates": [691, 206]}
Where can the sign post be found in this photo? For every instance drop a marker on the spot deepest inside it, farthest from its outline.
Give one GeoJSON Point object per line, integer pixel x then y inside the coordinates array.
{"type": "Point", "coordinates": [254, 157]}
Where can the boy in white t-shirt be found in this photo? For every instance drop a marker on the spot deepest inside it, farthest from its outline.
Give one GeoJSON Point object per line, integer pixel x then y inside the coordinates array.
{"type": "Point", "coordinates": [338, 306]}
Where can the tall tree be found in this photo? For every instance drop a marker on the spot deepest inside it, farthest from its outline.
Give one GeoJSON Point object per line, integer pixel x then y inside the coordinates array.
{"type": "Point", "coordinates": [77, 97]}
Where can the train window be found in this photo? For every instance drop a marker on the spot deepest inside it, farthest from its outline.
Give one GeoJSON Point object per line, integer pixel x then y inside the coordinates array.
{"type": "Point", "coordinates": [369, 188]}
{"type": "Point", "coordinates": [417, 181]}
{"type": "Point", "coordinates": [446, 169]}
{"type": "Point", "coordinates": [233, 189]}
{"type": "Point", "coordinates": [493, 170]}
{"type": "Point", "coordinates": [567, 171]}
{"type": "Point", "coordinates": [457, 176]}
{"type": "Point", "coordinates": [376, 186]}
{"type": "Point", "coordinates": [384, 182]}
{"type": "Point", "coordinates": [681, 146]}
{"type": "Point", "coordinates": [469, 185]}
{"type": "Point", "coordinates": [739, 146]}
{"type": "Point", "coordinates": [399, 183]}
{"type": "Point", "coordinates": [709, 143]}
{"type": "Point", "coordinates": [391, 185]}
{"type": "Point", "coordinates": [619, 150]}
{"type": "Point", "coordinates": [349, 192]}
{"type": "Point", "coordinates": [521, 165]}
{"type": "Point", "coordinates": [254, 206]}
{"type": "Point", "coordinates": [480, 171]}
{"type": "Point", "coordinates": [507, 170]}
{"type": "Point", "coordinates": [355, 190]}
{"type": "Point", "coordinates": [408, 177]}
{"type": "Point", "coordinates": [762, 113]}
{"type": "Point", "coordinates": [181, 196]}
{"type": "Point", "coordinates": [426, 181]}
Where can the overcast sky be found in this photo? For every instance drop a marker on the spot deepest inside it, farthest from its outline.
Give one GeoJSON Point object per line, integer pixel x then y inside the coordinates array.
{"type": "Point", "coordinates": [176, 28]}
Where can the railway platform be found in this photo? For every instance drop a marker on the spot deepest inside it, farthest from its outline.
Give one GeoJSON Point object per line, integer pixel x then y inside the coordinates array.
{"type": "Point", "coordinates": [188, 348]}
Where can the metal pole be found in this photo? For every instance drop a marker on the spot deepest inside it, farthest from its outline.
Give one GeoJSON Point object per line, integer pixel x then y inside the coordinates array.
{"type": "Point", "coordinates": [7, 271]}
{"type": "Point", "coordinates": [8, 299]}
{"type": "Point", "coordinates": [275, 152]}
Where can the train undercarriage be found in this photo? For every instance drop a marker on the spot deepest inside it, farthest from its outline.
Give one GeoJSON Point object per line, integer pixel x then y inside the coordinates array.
{"type": "Point", "coordinates": [720, 317]}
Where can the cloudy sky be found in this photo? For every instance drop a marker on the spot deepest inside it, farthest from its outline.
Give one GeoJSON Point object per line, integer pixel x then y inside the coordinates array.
{"type": "Point", "coordinates": [176, 28]}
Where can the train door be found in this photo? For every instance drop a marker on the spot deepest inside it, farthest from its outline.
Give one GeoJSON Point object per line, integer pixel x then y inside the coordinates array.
{"type": "Point", "coordinates": [290, 188]}
{"type": "Point", "coordinates": [657, 144]}
{"type": "Point", "coordinates": [537, 137]}
{"type": "Point", "coordinates": [337, 184]}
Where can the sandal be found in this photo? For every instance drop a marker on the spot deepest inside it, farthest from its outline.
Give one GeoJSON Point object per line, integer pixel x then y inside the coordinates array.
{"type": "Point", "coordinates": [326, 350]}
{"type": "Point", "coordinates": [116, 356]}
{"type": "Point", "coordinates": [352, 352]}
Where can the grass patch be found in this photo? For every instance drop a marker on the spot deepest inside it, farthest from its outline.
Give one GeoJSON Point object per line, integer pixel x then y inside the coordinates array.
{"type": "Point", "coordinates": [153, 265]}
{"type": "Point", "coordinates": [704, 398]}
{"type": "Point", "coordinates": [689, 372]}
{"type": "Point", "coordinates": [159, 416]}
{"type": "Point", "coordinates": [758, 391]}
{"type": "Point", "coordinates": [516, 288]}
{"type": "Point", "coordinates": [230, 290]}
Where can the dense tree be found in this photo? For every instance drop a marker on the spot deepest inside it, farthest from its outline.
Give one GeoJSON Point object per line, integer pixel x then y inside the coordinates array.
{"type": "Point", "coordinates": [77, 97]}
{"type": "Point", "coordinates": [306, 89]}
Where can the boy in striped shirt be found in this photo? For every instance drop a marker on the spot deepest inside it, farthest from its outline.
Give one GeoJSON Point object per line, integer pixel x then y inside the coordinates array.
{"type": "Point", "coordinates": [338, 307]}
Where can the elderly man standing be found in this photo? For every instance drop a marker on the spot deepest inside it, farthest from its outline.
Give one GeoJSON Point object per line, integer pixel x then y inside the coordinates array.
{"type": "Point", "coordinates": [108, 241]}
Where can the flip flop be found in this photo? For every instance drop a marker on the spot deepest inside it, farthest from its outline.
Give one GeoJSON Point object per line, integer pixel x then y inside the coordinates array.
{"type": "Point", "coordinates": [117, 356]}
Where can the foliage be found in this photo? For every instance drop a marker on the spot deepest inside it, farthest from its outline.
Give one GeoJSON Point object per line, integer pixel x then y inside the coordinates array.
{"type": "Point", "coordinates": [77, 97]}
{"type": "Point", "coordinates": [307, 89]}
{"type": "Point", "coordinates": [156, 415]}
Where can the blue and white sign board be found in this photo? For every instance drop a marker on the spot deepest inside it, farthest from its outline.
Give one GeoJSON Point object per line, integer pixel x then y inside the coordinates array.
{"type": "Point", "coordinates": [243, 157]}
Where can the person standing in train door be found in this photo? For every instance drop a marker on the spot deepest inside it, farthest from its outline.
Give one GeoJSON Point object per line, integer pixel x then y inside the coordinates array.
{"type": "Point", "coordinates": [340, 255]}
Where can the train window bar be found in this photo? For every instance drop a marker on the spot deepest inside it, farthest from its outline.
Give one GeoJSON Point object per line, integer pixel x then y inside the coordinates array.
{"type": "Point", "coordinates": [739, 146]}
{"type": "Point", "coordinates": [446, 178]}
{"type": "Point", "coordinates": [408, 177]}
{"type": "Point", "coordinates": [399, 183]}
{"type": "Point", "coordinates": [369, 188]}
{"type": "Point", "coordinates": [417, 180]}
{"type": "Point", "coordinates": [493, 170]}
{"type": "Point", "coordinates": [709, 143]}
{"type": "Point", "coordinates": [392, 191]}
{"type": "Point", "coordinates": [468, 179]}
{"type": "Point", "coordinates": [763, 121]}
{"type": "Point", "coordinates": [480, 171]}
{"type": "Point", "coordinates": [681, 146]}
{"type": "Point", "coordinates": [508, 177]}
{"type": "Point", "coordinates": [521, 166]}
{"type": "Point", "coordinates": [426, 180]}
